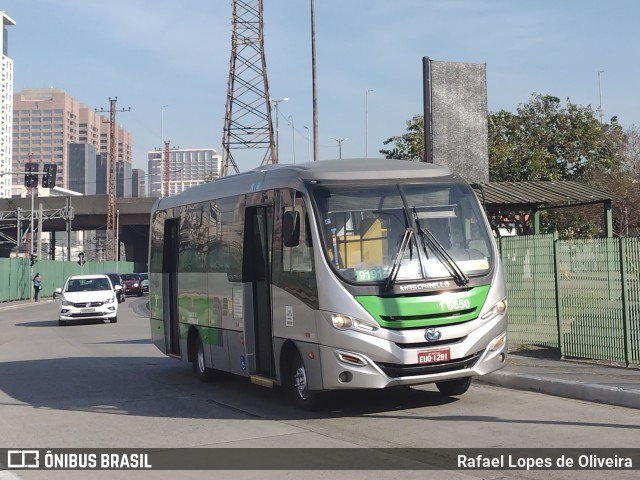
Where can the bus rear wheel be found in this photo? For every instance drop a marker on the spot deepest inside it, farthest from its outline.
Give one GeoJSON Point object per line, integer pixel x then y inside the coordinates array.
{"type": "Point", "coordinates": [454, 387]}
{"type": "Point", "coordinates": [199, 366]}
{"type": "Point", "coordinates": [302, 396]}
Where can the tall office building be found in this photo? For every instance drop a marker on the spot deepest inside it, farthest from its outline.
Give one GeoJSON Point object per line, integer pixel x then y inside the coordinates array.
{"type": "Point", "coordinates": [47, 120]}
{"type": "Point", "coordinates": [138, 184]}
{"type": "Point", "coordinates": [82, 168]}
{"type": "Point", "coordinates": [187, 167]}
{"type": "Point", "coordinates": [6, 108]}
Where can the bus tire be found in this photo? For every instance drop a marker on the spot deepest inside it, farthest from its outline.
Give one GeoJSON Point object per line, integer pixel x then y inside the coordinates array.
{"type": "Point", "coordinates": [199, 365]}
{"type": "Point", "coordinates": [454, 387]}
{"type": "Point", "coordinates": [302, 396]}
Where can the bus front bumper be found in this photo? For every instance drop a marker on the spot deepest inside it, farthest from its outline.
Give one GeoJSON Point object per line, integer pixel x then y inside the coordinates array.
{"type": "Point", "coordinates": [343, 369]}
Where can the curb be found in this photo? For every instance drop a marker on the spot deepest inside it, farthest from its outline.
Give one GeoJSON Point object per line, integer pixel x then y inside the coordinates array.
{"type": "Point", "coordinates": [610, 395]}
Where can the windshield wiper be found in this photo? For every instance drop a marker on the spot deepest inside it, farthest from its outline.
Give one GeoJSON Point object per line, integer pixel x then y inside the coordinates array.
{"type": "Point", "coordinates": [449, 263]}
{"type": "Point", "coordinates": [395, 268]}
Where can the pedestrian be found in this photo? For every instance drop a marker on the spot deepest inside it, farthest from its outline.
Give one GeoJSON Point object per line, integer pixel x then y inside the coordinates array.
{"type": "Point", "coordinates": [37, 286]}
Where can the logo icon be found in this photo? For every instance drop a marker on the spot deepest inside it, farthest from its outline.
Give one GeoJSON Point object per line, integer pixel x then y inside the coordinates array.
{"type": "Point", "coordinates": [23, 459]}
{"type": "Point", "coordinates": [432, 335]}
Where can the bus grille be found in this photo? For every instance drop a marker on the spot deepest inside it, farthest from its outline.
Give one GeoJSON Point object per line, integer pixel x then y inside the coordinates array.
{"type": "Point", "coordinates": [399, 318]}
{"type": "Point", "coordinates": [449, 341]}
{"type": "Point", "coordinates": [394, 370]}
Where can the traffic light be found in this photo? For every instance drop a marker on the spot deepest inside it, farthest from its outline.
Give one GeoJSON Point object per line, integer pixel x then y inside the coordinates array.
{"type": "Point", "coordinates": [34, 258]}
{"type": "Point", "coordinates": [30, 175]}
{"type": "Point", "coordinates": [81, 262]}
{"type": "Point", "coordinates": [49, 178]}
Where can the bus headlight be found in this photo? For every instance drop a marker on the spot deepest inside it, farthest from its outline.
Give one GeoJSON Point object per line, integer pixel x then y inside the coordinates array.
{"type": "Point", "coordinates": [498, 309]}
{"type": "Point", "coordinates": [341, 322]}
{"type": "Point", "coordinates": [345, 322]}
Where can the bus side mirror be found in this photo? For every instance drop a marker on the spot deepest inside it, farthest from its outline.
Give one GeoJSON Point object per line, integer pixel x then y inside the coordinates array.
{"type": "Point", "coordinates": [291, 228]}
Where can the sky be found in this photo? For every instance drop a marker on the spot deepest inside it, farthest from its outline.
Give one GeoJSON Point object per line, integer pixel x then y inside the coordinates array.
{"type": "Point", "coordinates": [150, 53]}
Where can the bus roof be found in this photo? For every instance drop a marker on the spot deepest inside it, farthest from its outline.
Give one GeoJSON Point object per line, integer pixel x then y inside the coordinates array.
{"type": "Point", "coordinates": [292, 175]}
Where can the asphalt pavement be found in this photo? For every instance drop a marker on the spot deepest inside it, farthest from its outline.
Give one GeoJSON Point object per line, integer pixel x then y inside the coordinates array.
{"type": "Point", "coordinates": [541, 370]}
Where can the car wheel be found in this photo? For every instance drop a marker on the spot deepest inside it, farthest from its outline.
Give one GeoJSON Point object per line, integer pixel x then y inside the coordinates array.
{"type": "Point", "coordinates": [454, 387]}
{"type": "Point", "coordinates": [139, 294]}
{"type": "Point", "coordinates": [62, 323]}
{"type": "Point", "coordinates": [199, 366]}
{"type": "Point", "coordinates": [302, 396]}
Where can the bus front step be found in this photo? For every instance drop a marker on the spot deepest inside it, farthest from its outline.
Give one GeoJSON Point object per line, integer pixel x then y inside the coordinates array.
{"type": "Point", "coordinates": [262, 381]}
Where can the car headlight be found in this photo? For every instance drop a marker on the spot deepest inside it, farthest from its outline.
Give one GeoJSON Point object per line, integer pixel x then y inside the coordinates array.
{"type": "Point", "coordinates": [110, 300]}
{"type": "Point", "coordinates": [498, 309]}
{"type": "Point", "coordinates": [136, 285]}
{"type": "Point", "coordinates": [63, 302]}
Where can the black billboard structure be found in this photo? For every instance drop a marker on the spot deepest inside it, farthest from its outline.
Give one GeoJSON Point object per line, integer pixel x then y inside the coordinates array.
{"type": "Point", "coordinates": [455, 114]}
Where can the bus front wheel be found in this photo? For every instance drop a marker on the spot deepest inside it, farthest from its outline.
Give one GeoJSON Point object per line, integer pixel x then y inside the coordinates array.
{"type": "Point", "coordinates": [199, 366]}
{"type": "Point", "coordinates": [302, 396]}
{"type": "Point", "coordinates": [454, 387]}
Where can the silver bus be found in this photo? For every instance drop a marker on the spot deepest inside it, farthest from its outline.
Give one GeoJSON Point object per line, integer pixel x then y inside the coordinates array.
{"type": "Point", "coordinates": [330, 275]}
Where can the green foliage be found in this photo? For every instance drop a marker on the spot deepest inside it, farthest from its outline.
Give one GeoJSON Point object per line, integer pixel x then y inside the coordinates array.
{"type": "Point", "coordinates": [409, 146]}
{"type": "Point", "coordinates": [546, 141]}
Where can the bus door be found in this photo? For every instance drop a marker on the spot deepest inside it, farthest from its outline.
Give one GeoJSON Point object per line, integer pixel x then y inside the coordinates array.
{"type": "Point", "coordinates": [258, 242]}
{"type": "Point", "coordinates": [170, 286]}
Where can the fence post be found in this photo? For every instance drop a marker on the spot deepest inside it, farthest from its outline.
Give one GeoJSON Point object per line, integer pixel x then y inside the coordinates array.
{"type": "Point", "coordinates": [625, 304]}
{"type": "Point", "coordinates": [556, 276]}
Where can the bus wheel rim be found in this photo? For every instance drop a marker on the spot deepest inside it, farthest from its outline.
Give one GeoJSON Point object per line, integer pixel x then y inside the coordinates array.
{"type": "Point", "coordinates": [301, 383]}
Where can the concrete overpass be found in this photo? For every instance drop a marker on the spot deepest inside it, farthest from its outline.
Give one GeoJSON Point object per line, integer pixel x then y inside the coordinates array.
{"type": "Point", "coordinates": [89, 213]}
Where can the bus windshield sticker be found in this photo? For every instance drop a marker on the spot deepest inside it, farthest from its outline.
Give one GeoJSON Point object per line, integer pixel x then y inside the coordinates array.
{"type": "Point", "coordinates": [288, 315]}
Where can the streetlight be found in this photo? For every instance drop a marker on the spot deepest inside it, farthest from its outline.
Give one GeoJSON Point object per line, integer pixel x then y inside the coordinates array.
{"type": "Point", "coordinates": [600, 72]}
{"type": "Point", "coordinates": [293, 136]}
{"type": "Point", "coordinates": [366, 122]}
{"type": "Point", "coordinates": [340, 140]}
{"type": "Point", "coordinates": [277, 102]}
{"type": "Point", "coordinates": [308, 144]}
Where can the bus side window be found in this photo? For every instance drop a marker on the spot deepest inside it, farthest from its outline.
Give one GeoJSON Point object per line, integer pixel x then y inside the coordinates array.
{"type": "Point", "coordinates": [300, 257]}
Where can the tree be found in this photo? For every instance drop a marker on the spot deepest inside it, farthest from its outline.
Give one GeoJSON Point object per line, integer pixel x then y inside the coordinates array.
{"type": "Point", "coordinates": [546, 141]}
{"type": "Point", "coordinates": [409, 146]}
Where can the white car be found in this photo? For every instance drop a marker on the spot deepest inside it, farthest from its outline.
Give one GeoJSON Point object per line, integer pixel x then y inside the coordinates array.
{"type": "Point", "coordinates": [87, 297]}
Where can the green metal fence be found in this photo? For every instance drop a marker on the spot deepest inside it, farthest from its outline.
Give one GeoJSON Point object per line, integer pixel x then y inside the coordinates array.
{"type": "Point", "coordinates": [580, 296]}
{"type": "Point", "coordinates": [16, 275]}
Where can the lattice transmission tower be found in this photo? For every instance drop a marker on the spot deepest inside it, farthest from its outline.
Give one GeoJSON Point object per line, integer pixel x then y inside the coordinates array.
{"type": "Point", "coordinates": [247, 119]}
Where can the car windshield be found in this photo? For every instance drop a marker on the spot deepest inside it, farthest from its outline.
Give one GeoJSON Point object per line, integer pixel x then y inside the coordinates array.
{"type": "Point", "coordinates": [87, 285]}
{"type": "Point", "coordinates": [371, 235]}
{"type": "Point", "coordinates": [130, 276]}
{"type": "Point", "coordinates": [144, 276]}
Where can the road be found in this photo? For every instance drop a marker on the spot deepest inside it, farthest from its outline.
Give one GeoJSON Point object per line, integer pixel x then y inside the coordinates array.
{"type": "Point", "coordinates": [105, 386]}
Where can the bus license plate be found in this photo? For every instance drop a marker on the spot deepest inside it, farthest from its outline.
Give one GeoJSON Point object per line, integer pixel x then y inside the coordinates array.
{"type": "Point", "coordinates": [87, 310]}
{"type": "Point", "coordinates": [434, 356]}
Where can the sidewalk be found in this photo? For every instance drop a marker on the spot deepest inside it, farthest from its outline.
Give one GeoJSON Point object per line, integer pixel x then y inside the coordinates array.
{"type": "Point", "coordinates": [543, 371]}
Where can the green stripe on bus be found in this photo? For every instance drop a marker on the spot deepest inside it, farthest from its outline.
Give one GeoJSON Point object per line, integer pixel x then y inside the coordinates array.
{"type": "Point", "coordinates": [425, 310]}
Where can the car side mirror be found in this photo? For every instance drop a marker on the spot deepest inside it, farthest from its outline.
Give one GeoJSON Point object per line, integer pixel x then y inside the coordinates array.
{"type": "Point", "coordinates": [56, 292]}
{"type": "Point", "coordinates": [117, 287]}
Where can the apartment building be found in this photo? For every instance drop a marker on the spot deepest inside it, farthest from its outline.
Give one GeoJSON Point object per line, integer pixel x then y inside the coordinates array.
{"type": "Point", "coordinates": [186, 168]}
{"type": "Point", "coordinates": [6, 107]}
{"type": "Point", "coordinates": [46, 121]}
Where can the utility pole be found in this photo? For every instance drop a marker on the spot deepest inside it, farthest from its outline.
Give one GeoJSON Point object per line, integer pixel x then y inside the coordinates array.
{"type": "Point", "coordinates": [313, 82]}
{"type": "Point", "coordinates": [600, 72]}
{"type": "Point", "coordinates": [111, 178]}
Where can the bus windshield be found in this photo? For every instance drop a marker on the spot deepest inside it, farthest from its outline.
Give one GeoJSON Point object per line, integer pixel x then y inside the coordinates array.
{"type": "Point", "coordinates": [376, 233]}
